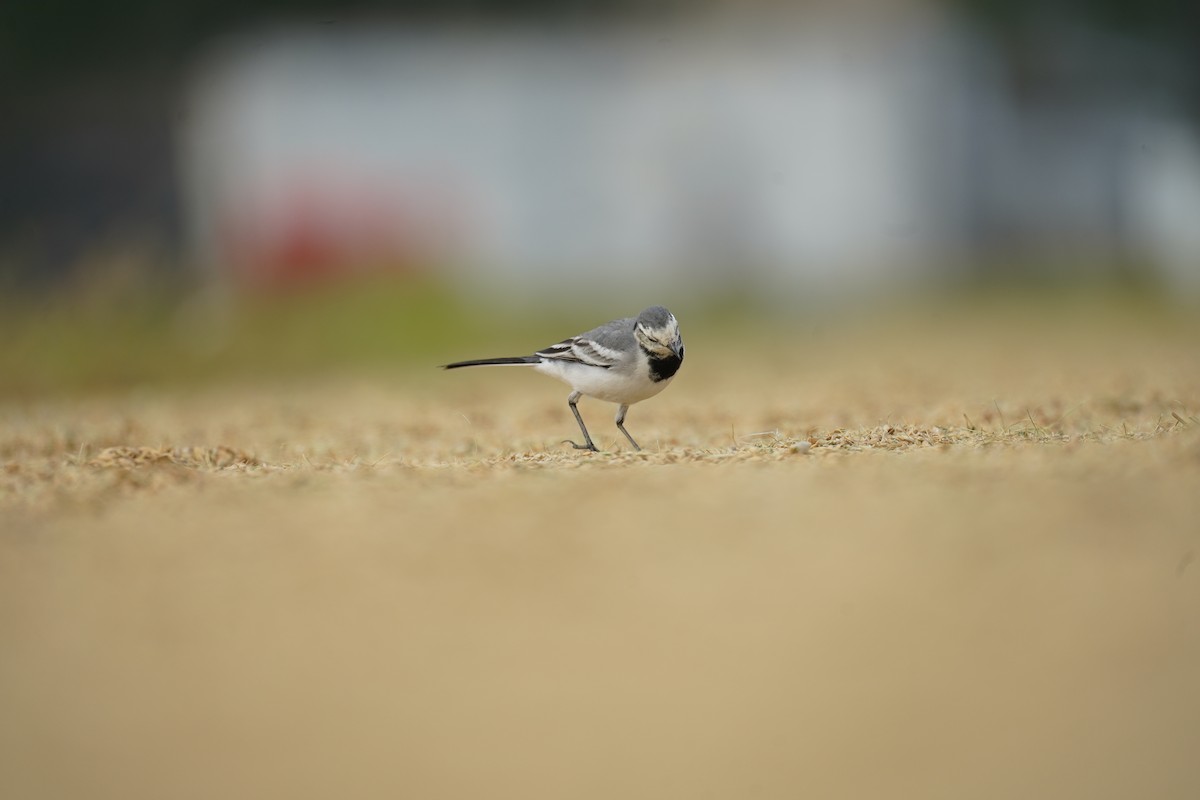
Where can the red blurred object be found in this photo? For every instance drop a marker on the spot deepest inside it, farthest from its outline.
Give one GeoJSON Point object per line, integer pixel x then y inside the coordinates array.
{"type": "Point", "coordinates": [322, 230]}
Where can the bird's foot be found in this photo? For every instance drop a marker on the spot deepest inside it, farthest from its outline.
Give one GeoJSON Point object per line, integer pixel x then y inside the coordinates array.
{"type": "Point", "coordinates": [588, 446]}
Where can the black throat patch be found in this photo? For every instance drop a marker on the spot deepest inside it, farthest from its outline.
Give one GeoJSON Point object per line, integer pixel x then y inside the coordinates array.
{"type": "Point", "coordinates": [662, 368]}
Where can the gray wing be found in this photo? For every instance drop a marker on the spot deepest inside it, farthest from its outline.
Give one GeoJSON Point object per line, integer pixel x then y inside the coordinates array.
{"type": "Point", "coordinates": [605, 346]}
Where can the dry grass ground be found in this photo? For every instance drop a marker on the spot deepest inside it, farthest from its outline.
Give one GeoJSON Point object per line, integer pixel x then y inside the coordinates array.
{"type": "Point", "coordinates": [953, 558]}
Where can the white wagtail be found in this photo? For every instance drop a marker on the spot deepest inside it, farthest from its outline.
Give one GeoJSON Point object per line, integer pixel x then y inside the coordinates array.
{"type": "Point", "coordinates": [624, 362]}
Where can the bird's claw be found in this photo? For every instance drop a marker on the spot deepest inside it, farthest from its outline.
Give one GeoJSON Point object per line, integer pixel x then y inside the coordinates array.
{"type": "Point", "coordinates": [588, 446]}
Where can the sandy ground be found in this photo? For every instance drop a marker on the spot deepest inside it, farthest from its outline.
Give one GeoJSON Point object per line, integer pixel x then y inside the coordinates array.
{"type": "Point", "coordinates": [871, 564]}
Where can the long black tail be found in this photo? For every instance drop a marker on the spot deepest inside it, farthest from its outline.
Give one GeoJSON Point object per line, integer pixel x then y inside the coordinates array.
{"type": "Point", "coordinates": [491, 362]}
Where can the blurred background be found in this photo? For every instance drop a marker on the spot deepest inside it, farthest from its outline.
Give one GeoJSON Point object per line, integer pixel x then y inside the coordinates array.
{"type": "Point", "coordinates": [175, 175]}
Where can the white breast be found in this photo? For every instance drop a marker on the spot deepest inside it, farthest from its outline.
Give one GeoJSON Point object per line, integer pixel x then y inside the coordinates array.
{"type": "Point", "coordinates": [616, 385]}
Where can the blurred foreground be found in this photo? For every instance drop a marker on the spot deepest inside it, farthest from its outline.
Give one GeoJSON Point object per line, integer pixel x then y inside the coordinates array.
{"type": "Point", "coordinates": [943, 555]}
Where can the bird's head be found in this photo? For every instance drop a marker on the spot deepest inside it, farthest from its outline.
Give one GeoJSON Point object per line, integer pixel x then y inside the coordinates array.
{"type": "Point", "coordinates": [658, 333]}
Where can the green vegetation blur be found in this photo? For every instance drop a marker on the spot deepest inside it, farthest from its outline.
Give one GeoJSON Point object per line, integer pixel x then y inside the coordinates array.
{"type": "Point", "coordinates": [86, 341]}
{"type": "Point", "coordinates": [122, 333]}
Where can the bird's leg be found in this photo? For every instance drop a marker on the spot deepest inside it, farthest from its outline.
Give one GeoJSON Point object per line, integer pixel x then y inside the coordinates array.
{"type": "Point", "coordinates": [621, 425]}
{"type": "Point", "coordinates": [571, 401]}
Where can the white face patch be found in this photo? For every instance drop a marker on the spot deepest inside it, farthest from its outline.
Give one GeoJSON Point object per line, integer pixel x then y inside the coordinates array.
{"type": "Point", "coordinates": [658, 340]}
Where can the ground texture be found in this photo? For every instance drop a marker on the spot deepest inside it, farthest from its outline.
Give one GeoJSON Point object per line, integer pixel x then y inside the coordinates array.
{"type": "Point", "coordinates": [948, 558]}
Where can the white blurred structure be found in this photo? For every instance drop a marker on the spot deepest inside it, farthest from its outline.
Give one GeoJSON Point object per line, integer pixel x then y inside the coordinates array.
{"type": "Point", "coordinates": [786, 158]}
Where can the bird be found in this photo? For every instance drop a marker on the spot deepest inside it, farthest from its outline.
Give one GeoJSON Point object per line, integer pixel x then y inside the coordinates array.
{"type": "Point", "coordinates": [623, 361]}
